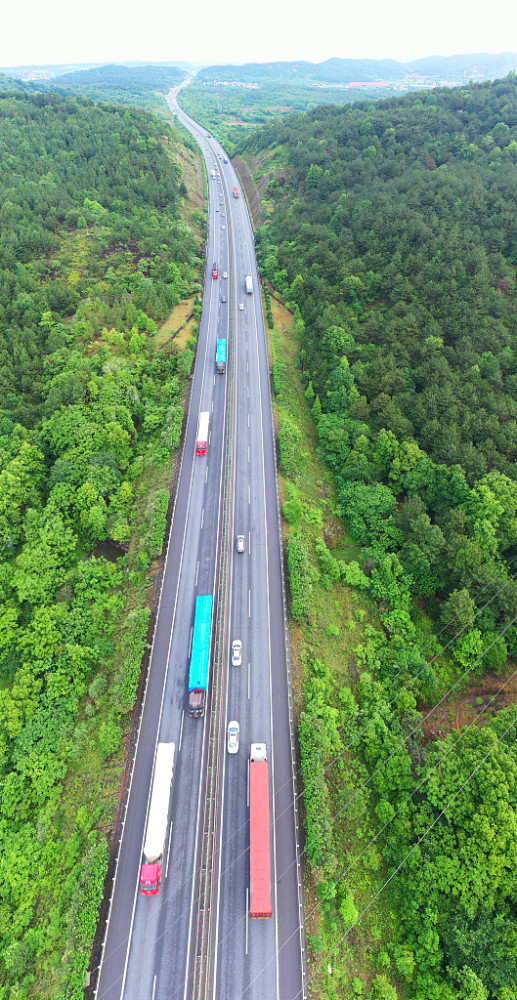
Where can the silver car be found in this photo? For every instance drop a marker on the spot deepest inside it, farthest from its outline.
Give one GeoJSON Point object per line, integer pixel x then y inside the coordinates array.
{"type": "Point", "coordinates": [234, 731]}
{"type": "Point", "coordinates": [236, 653]}
{"type": "Point", "coordinates": [240, 544]}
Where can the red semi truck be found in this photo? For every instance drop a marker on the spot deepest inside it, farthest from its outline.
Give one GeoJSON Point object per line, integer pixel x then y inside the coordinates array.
{"type": "Point", "coordinates": [202, 432]}
{"type": "Point", "coordinates": [260, 852]}
{"type": "Point", "coordinates": [155, 835]}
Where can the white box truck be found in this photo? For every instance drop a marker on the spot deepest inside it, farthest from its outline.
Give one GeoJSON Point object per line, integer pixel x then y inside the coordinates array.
{"type": "Point", "coordinates": [156, 833]}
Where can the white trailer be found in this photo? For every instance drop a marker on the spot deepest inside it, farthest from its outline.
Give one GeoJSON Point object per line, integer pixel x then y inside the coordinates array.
{"type": "Point", "coordinates": [156, 832]}
{"type": "Point", "coordinates": [202, 432]}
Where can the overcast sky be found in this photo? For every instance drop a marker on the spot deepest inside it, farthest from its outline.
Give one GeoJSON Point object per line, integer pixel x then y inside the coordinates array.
{"type": "Point", "coordinates": [60, 31]}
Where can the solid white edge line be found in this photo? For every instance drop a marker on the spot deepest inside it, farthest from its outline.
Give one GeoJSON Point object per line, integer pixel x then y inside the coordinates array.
{"type": "Point", "coordinates": [128, 941]}
{"type": "Point", "coordinates": [204, 373]}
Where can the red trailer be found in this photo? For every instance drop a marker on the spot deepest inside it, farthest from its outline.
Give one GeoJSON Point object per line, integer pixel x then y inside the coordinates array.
{"type": "Point", "coordinates": [260, 852]}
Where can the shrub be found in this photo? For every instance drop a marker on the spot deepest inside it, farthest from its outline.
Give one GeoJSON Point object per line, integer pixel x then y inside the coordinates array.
{"type": "Point", "coordinates": [299, 577]}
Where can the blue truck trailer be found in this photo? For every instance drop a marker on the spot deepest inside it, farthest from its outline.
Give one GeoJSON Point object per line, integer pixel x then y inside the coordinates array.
{"type": "Point", "coordinates": [200, 658]}
{"type": "Point", "coordinates": [220, 357]}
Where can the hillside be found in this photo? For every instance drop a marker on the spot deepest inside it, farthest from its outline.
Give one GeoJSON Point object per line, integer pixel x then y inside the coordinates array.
{"type": "Point", "coordinates": [163, 77]}
{"type": "Point", "coordinates": [391, 229]}
{"type": "Point", "coordinates": [9, 83]}
{"type": "Point", "coordinates": [134, 85]}
{"type": "Point", "coordinates": [231, 101]}
{"type": "Point", "coordinates": [93, 257]}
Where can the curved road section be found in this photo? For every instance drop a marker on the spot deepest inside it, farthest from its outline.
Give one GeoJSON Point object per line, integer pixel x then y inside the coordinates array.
{"type": "Point", "coordinates": [149, 946]}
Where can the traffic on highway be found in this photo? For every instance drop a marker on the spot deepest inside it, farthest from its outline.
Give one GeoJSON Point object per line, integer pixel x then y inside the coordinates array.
{"type": "Point", "coordinates": [207, 894]}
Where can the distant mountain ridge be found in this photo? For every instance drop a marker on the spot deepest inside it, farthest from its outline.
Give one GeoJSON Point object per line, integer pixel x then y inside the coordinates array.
{"type": "Point", "coordinates": [150, 75]}
{"type": "Point", "coordinates": [9, 83]}
{"type": "Point", "coordinates": [479, 66]}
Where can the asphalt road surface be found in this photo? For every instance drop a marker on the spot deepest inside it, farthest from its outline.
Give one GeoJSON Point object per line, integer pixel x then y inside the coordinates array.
{"type": "Point", "coordinates": [149, 944]}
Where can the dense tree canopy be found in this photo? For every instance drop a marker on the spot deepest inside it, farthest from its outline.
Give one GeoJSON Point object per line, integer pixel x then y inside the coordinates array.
{"type": "Point", "coordinates": [394, 234]}
{"type": "Point", "coordinates": [92, 256]}
{"type": "Point", "coordinates": [391, 229]}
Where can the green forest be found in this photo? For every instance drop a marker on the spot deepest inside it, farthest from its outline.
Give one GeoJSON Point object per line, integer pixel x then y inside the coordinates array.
{"type": "Point", "coordinates": [233, 112]}
{"type": "Point", "coordinates": [391, 229]}
{"type": "Point", "coordinates": [94, 254]}
{"type": "Point", "coordinates": [140, 86]}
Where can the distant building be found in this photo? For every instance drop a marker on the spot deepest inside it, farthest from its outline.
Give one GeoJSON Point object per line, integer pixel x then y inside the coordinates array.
{"type": "Point", "coordinates": [369, 83]}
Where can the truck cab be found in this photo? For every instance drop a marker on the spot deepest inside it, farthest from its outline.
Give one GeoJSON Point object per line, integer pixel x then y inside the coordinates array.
{"type": "Point", "coordinates": [196, 703]}
{"type": "Point", "coordinates": [150, 879]}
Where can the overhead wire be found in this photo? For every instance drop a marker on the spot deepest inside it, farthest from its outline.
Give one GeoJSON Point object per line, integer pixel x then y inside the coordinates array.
{"type": "Point", "coordinates": [438, 764]}
{"type": "Point", "coordinates": [413, 849]}
{"type": "Point", "coordinates": [405, 686]}
{"type": "Point", "coordinates": [349, 801]}
{"type": "Point", "coordinates": [387, 881]}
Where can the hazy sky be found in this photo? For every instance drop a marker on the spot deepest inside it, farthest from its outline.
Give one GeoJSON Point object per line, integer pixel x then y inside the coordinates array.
{"type": "Point", "coordinates": [58, 31]}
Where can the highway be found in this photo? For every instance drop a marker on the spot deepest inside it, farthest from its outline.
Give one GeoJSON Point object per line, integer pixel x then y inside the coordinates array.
{"type": "Point", "coordinates": [149, 946]}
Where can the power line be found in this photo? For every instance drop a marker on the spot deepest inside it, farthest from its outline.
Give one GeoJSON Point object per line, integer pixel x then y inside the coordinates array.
{"type": "Point", "coordinates": [338, 757]}
{"type": "Point", "coordinates": [438, 764]}
{"type": "Point", "coordinates": [345, 806]}
{"type": "Point", "coordinates": [412, 851]}
{"type": "Point", "coordinates": [395, 872]}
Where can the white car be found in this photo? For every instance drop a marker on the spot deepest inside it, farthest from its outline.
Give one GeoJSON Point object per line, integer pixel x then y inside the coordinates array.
{"type": "Point", "coordinates": [241, 307]}
{"type": "Point", "coordinates": [233, 737]}
{"type": "Point", "coordinates": [225, 274]}
{"type": "Point", "coordinates": [236, 653]}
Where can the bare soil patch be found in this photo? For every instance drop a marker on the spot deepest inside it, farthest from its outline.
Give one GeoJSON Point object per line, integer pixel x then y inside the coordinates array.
{"type": "Point", "coordinates": [482, 701]}
{"type": "Point", "coordinates": [178, 325]}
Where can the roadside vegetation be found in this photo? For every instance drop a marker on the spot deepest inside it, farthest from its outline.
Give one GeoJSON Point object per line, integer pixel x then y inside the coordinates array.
{"type": "Point", "coordinates": [94, 256]}
{"type": "Point", "coordinates": [391, 234]}
{"type": "Point", "coordinates": [233, 113]}
{"type": "Point", "coordinates": [328, 627]}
